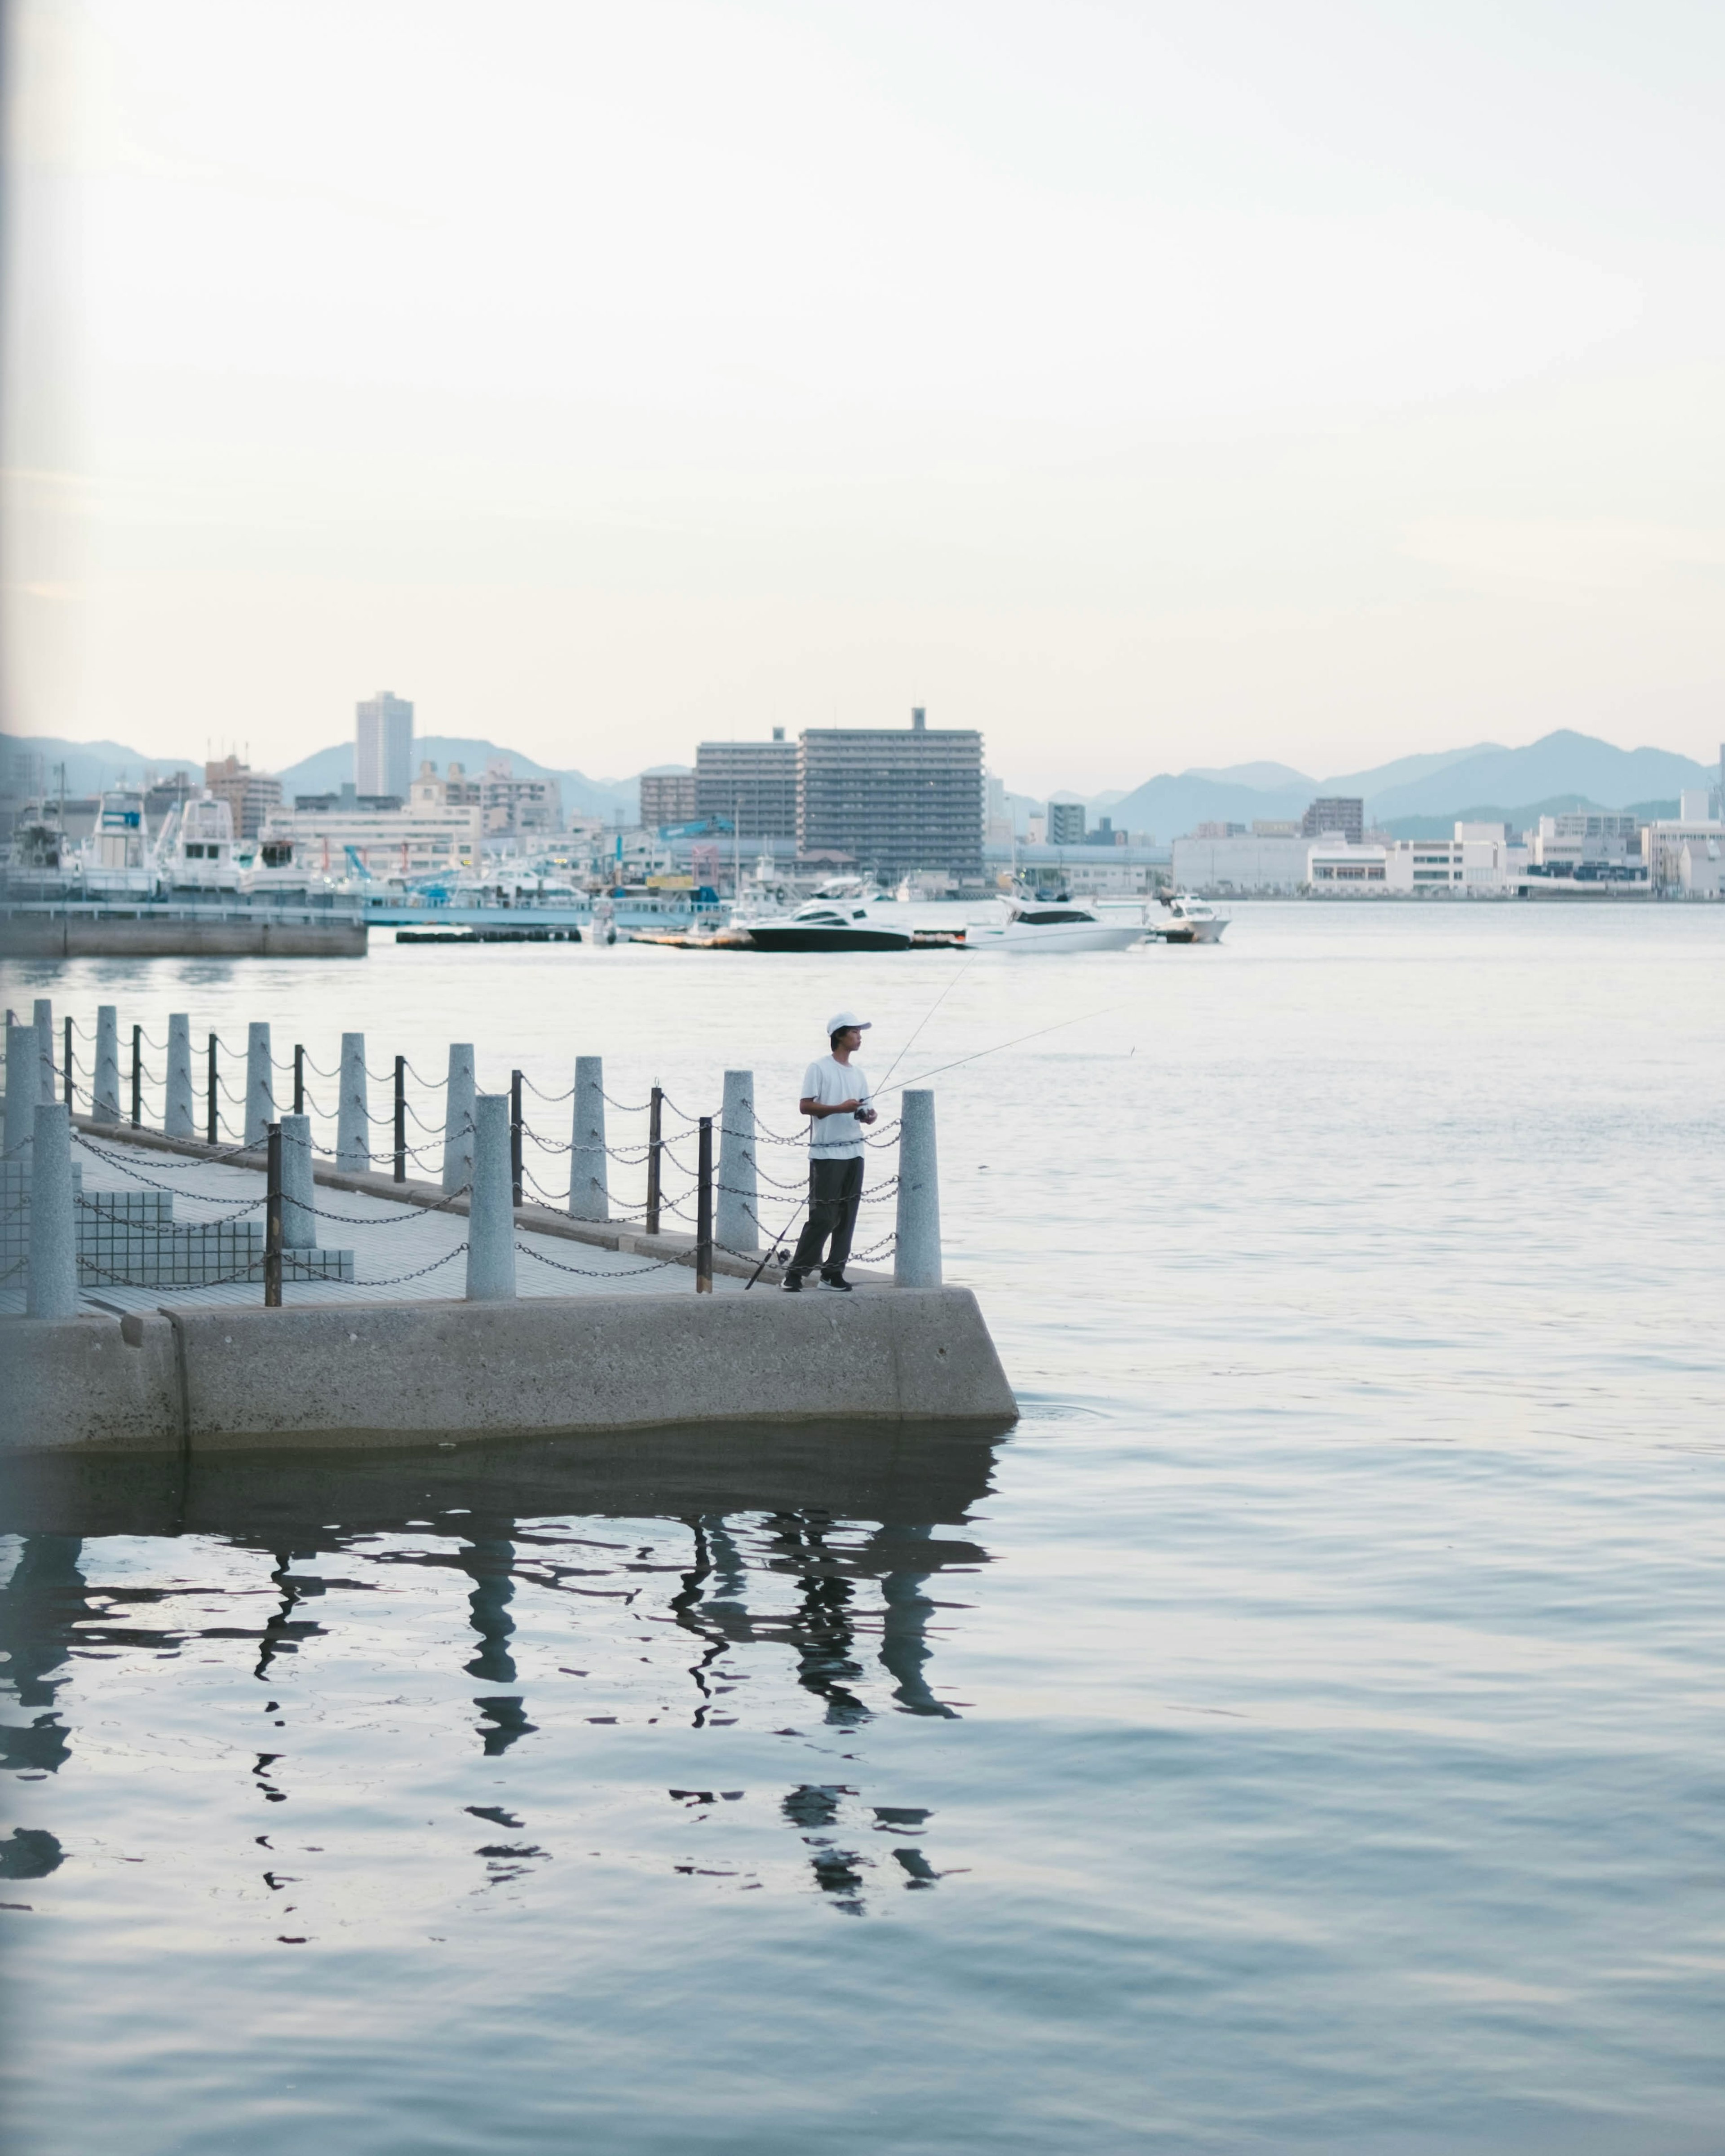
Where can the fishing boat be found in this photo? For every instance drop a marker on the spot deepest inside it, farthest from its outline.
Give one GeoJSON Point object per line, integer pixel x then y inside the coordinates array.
{"type": "Point", "coordinates": [1186, 920]}
{"type": "Point", "coordinates": [1061, 924]}
{"type": "Point", "coordinates": [827, 924]}
{"type": "Point", "coordinates": [194, 849]}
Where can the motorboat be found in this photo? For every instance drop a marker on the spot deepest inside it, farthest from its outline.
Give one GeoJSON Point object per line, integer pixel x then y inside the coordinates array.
{"type": "Point", "coordinates": [1057, 924]}
{"type": "Point", "coordinates": [827, 924]}
{"type": "Point", "coordinates": [194, 849]}
{"type": "Point", "coordinates": [115, 857]}
{"type": "Point", "coordinates": [1187, 919]}
{"type": "Point", "coordinates": [283, 865]}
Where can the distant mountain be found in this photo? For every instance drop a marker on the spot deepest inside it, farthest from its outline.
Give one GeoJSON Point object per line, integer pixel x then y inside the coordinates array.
{"type": "Point", "coordinates": [617, 800]}
{"type": "Point", "coordinates": [91, 766]}
{"type": "Point", "coordinates": [1405, 769]}
{"type": "Point", "coordinates": [1171, 804]}
{"type": "Point", "coordinates": [1264, 777]}
{"type": "Point", "coordinates": [1560, 763]}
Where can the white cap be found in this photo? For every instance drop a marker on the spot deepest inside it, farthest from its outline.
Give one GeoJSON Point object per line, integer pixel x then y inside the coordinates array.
{"type": "Point", "coordinates": [841, 1019]}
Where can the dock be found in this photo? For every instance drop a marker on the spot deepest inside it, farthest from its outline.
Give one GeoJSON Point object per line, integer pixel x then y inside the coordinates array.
{"type": "Point", "coordinates": [162, 1295]}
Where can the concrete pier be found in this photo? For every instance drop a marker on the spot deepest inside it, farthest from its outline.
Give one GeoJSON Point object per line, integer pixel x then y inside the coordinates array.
{"type": "Point", "coordinates": [43, 1016]}
{"type": "Point", "coordinates": [104, 1091]}
{"type": "Point", "coordinates": [260, 1084]}
{"type": "Point", "coordinates": [24, 1067]}
{"type": "Point", "coordinates": [734, 1227]}
{"type": "Point", "coordinates": [353, 1122]}
{"type": "Point", "coordinates": [298, 1194]}
{"type": "Point", "coordinates": [53, 1281]}
{"type": "Point", "coordinates": [491, 1219]}
{"type": "Point", "coordinates": [589, 1181]}
{"type": "Point", "coordinates": [918, 1260]}
{"type": "Point", "coordinates": [203, 1381]}
{"type": "Point", "coordinates": [459, 1096]}
{"type": "Point", "coordinates": [180, 1117]}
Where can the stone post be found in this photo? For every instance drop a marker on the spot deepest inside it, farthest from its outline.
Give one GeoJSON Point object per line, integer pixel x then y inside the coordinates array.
{"type": "Point", "coordinates": [23, 1071]}
{"type": "Point", "coordinates": [458, 1120]}
{"type": "Point", "coordinates": [43, 1015]}
{"type": "Point", "coordinates": [353, 1122]}
{"type": "Point", "coordinates": [53, 1286]}
{"type": "Point", "coordinates": [180, 1120]}
{"type": "Point", "coordinates": [917, 1263]}
{"type": "Point", "coordinates": [491, 1217]}
{"type": "Point", "coordinates": [259, 1085]}
{"type": "Point", "coordinates": [298, 1196]}
{"type": "Point", "coordinates": [105, 1099]}
{"type": "Point", "coordinates": [734, 1228]}
{"type": "Point", "coordinates": [589, 1176]}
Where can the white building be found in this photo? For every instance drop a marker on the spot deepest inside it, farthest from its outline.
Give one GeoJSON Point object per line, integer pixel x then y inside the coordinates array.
{"type": "Point", "coordinates": [1337, 868]}
{"type": "Point", "coordinates": [1568, 842]}
{"type": "Point", "coordinates": [1664, 844]}
{"type": "Point", "coordinates": [383, 746]}
{"type": "Point", "coordinates": [1701, 869]}
{"type": "Point", "coordinates": [1271, 863]}
{"type": "Point", "coordinates": [386, 842]}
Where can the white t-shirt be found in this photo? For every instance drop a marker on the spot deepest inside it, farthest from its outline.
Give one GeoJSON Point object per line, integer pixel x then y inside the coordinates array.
{"type": "Point", "coordinates": [835, 1137]}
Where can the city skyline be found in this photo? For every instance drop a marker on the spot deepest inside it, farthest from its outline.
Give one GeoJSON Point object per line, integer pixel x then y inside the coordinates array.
{"type": "Point", "coordinates": [1144, 392]}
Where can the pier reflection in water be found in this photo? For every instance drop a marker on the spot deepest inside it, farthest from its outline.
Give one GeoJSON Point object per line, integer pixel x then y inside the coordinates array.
{"type": "Point", "coordinates": [783, 1600]}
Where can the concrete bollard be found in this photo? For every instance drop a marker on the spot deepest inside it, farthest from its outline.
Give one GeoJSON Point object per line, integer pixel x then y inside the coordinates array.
{"type": "Point", "coordinates": [491, 1216]}
{"type": "Point", "coordinates": [259, 1085]}
{"type": "Point", "coordinates": [917, 1263]}
{"type": "Point", "coordinates": [458, 1119]}
{"type": "Point", "coordinates": [44, 1016]}
{"type": "Point", "coordinates": [24, 1068]}
{"type": "Point", "coordinates": [105, 1093]}
{"type": "Point", "coordinates": [180, 1118]}
{"type": "Point", "coordinates": [589, 1165]}
{"type": "Point", "coordinates": [734, 1228]}
{"type": "Point", "coordinates": [53, 1286]}
{"type": "Point", "coordinates": [353, 1122]}
{"type": "Point", "coordinates": [299, 1195]}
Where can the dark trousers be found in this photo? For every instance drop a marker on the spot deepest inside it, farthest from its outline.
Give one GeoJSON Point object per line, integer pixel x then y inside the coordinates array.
{"type": "Point", "coordinates": [835, 1193]}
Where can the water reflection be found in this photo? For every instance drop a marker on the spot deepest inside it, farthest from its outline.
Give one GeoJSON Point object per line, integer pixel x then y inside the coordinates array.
{"type": "Point", "coordinates": [580, 1576]}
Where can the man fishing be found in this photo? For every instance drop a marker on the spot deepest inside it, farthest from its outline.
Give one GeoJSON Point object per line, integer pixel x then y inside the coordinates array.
{"type": "Point", "coordinates": [837, 1101]}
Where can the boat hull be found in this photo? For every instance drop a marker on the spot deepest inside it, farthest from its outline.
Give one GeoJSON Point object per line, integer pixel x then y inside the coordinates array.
{"type": "Point", "coordinates": [1079, 936]}
{"type": "Point", "coordinates": [810, 937]}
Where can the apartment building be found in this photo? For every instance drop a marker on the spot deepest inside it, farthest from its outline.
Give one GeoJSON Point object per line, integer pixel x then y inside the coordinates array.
{"type": "Point", "coordinates": [895, 800]}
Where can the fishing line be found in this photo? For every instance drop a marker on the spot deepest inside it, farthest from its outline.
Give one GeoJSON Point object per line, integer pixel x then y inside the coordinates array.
{"type": "Point", "coordinates": [999, 1044]}
{"type": "Point", "coordinates": [928, 1014]}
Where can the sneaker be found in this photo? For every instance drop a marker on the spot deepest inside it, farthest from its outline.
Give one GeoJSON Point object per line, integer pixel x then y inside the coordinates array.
{"type": "Point", "coordinates": [792, 1284]}
{"type": "Point", "coordinates": [840, 1286]}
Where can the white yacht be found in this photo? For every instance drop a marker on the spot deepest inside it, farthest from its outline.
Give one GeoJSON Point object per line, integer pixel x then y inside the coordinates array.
{"type": "Point", "coordinates": [194, 847]}
{"type": "Point", "coordinates": [1187, 919]}
{"type": "Point", "coordinates": [115, 857]}
{"type": "Point", "coordinates": [1062, 924]}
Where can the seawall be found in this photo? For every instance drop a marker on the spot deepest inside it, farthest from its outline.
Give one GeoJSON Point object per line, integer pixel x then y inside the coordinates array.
{"type": "Point", "coordinates": [220, 1380]}
{"type": "Point", "coordinates": [93, 936]}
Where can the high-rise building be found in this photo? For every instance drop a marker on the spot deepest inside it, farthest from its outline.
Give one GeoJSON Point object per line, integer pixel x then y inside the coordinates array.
{"type": "Point", "coordinates": [383, 761]}
{"type": "Point", "coordinates": [668, 798]}
{"type": "Point", "coordinates": [1332, 813]}
{"type": "Point", "coordinates": [1065, 823]}
{"type": "Point", "coordinates": [252, 796]}
{"type": "Point", "coordinates": [751, 784]}
{"type": "Point", "coordinates": [893, 801]}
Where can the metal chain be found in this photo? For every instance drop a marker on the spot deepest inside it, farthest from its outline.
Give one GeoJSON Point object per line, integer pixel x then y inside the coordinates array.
{"type": "Point", "coordinates": [603, 1272]}
{"type": "Point", "coordinates": [170, 1227]}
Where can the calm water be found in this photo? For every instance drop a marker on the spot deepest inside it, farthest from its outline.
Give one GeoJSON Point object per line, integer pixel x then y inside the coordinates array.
{"type": "Point", "coordinates": [1303, 1732]}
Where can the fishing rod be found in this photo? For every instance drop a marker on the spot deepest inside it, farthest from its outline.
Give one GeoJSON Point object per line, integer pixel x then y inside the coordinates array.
{"type": "Point", "coordinates": [928, 1014]}
{"type": "Point", "coordinates": [893, 1066]}
{"type": "Point", "coordinates": [940, 1067]}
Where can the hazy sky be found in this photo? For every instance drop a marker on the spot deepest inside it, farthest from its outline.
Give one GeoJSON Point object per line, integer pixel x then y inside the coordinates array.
{"type": "Point", "coordinates": [1149, 385]}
